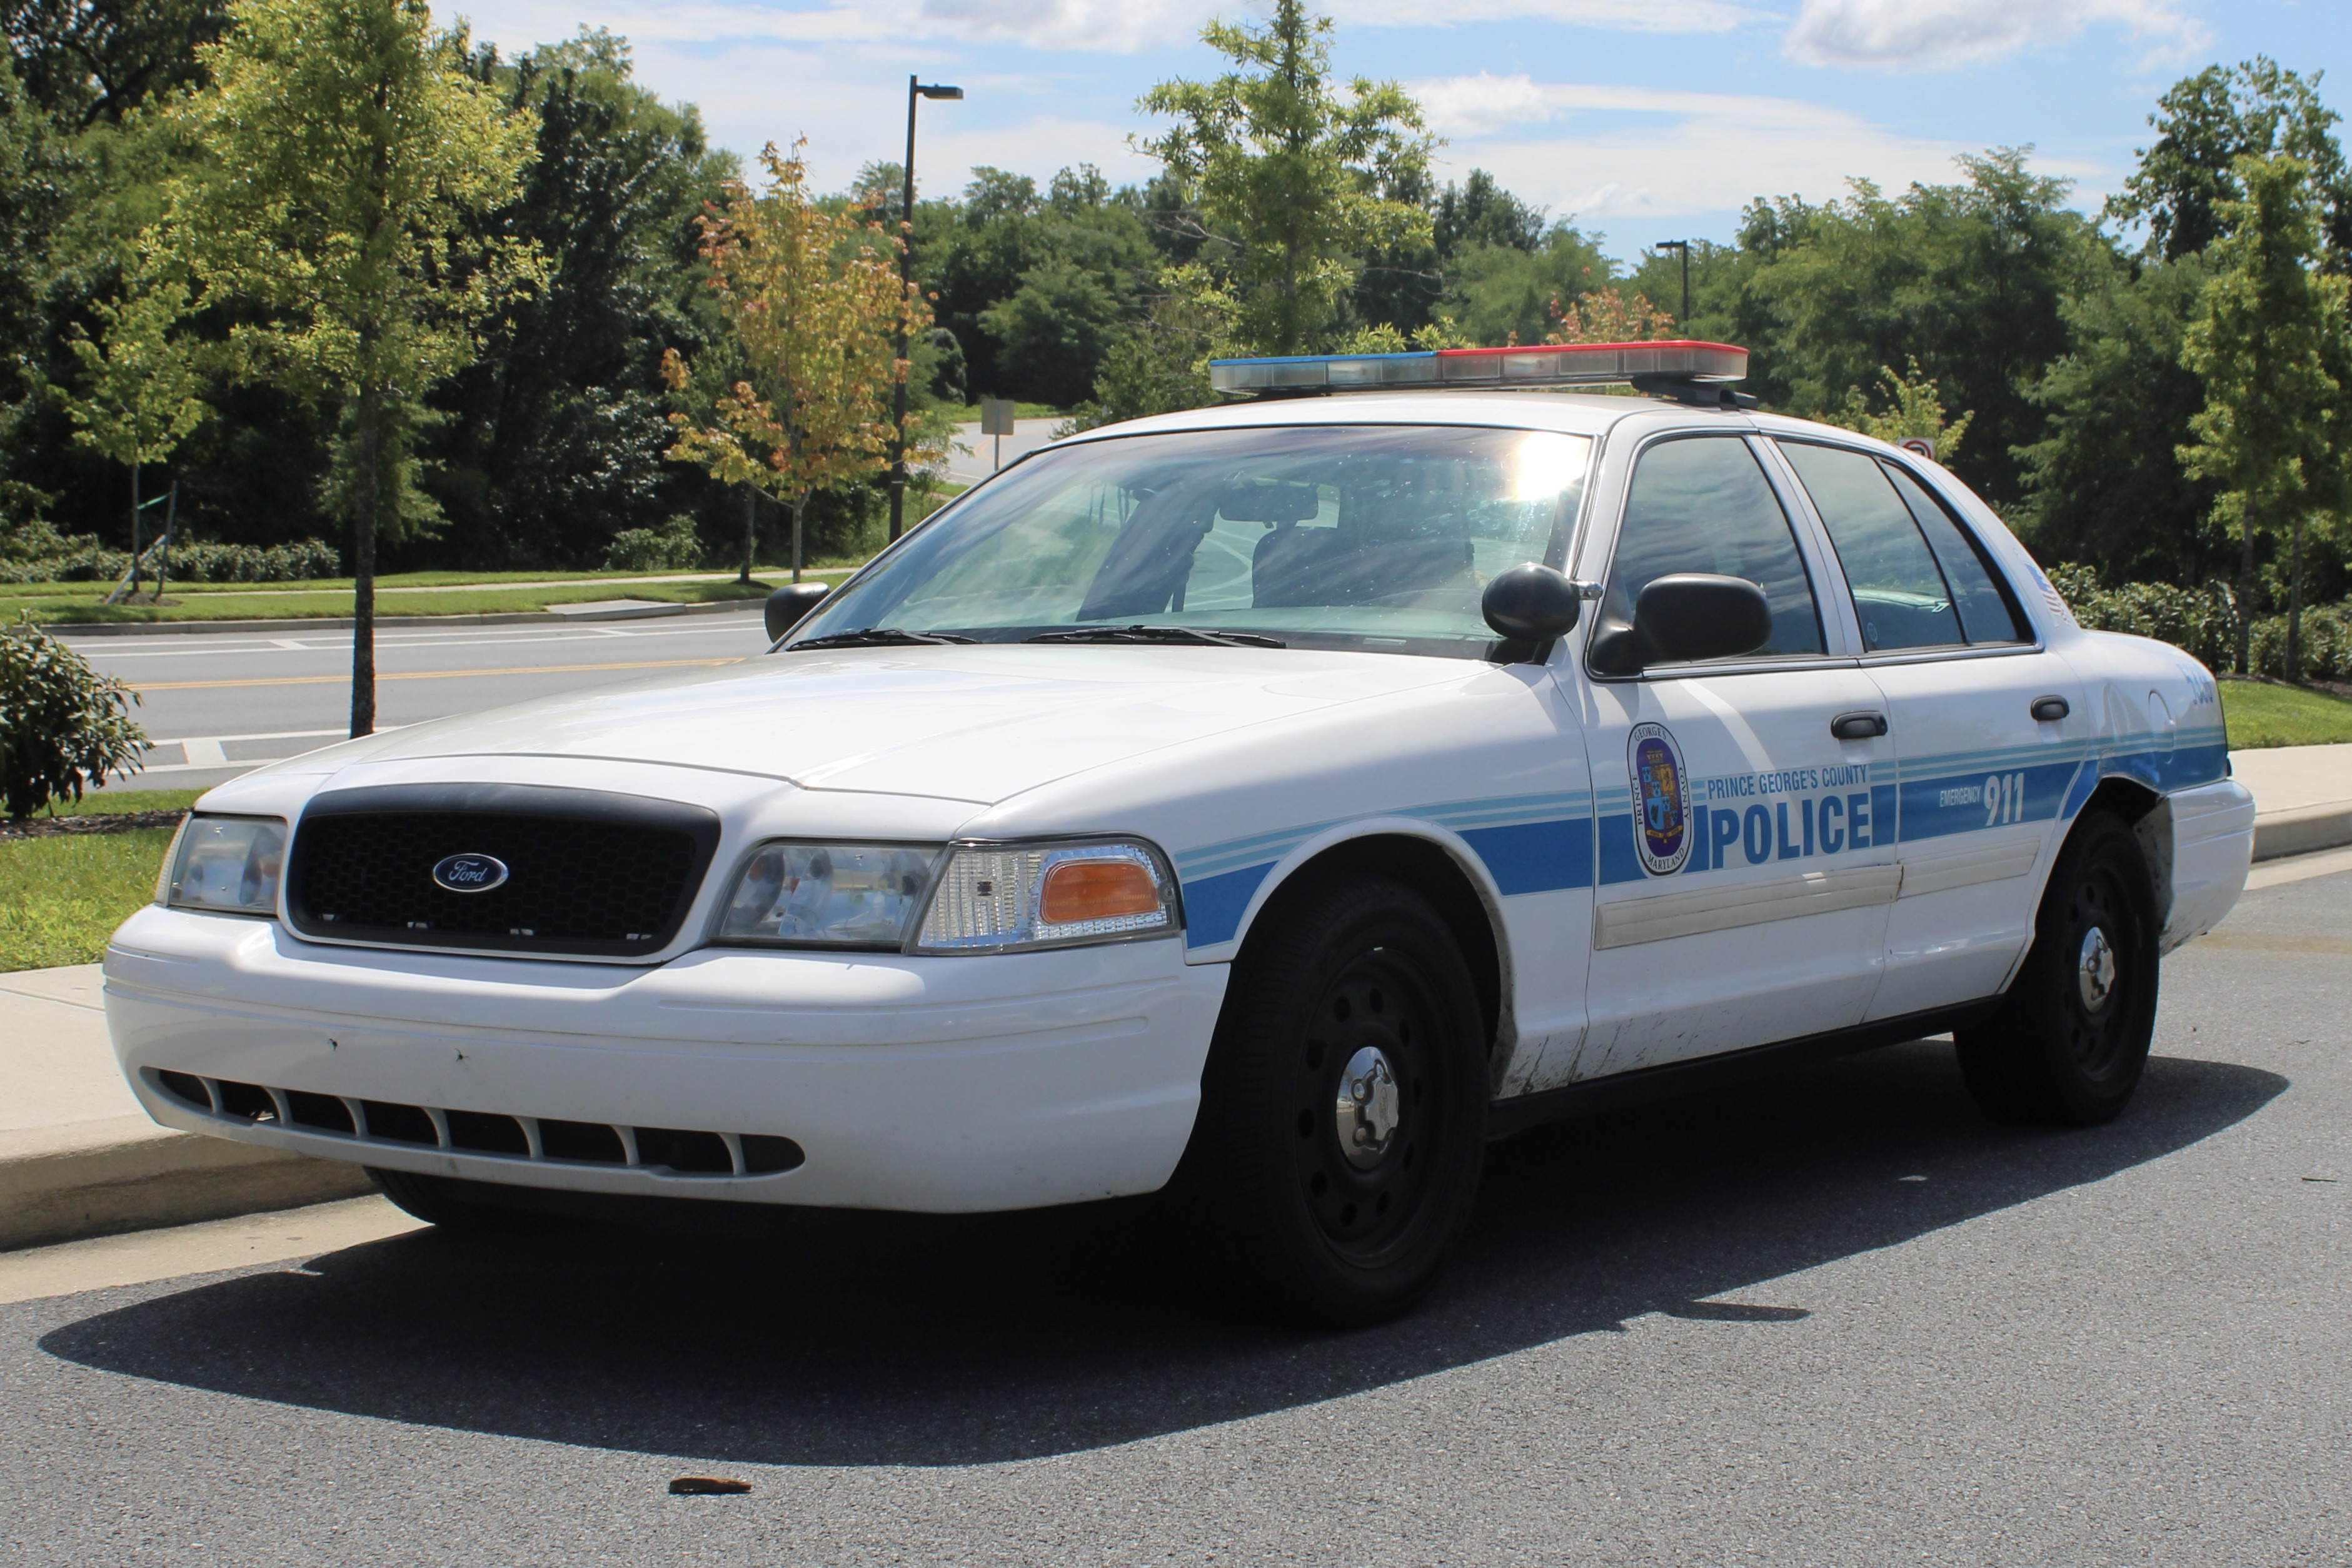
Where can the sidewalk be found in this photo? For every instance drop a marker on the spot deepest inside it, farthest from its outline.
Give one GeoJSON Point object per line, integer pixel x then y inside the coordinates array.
{"type": "Point", "coordinates": [79, 1158]}
{"type": "Point", "coordinates": [2303, 797]}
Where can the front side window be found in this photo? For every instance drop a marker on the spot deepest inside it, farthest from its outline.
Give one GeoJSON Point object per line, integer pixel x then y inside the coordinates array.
{"type": "Point", "coordinates": [1378, 538]}
{"type": "Point", "coordinates": [1702, 504]}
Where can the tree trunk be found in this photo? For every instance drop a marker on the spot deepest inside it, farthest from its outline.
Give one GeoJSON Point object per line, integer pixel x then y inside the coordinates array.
{"type": "Point", "coordinates": [134, 533]}
{"type": "Point", "coordinates": [751, 530]}
{"type": "Point", "coordinates": [363, 521]}
{"type": "Point", "coordinates": [798, 503]}
{"type": "Point", "coordinates": [2246, 586]}
{"type": "Point", "coordinates": [164, 556]}
{"type": "Point", "coordinates": [2294, 607]}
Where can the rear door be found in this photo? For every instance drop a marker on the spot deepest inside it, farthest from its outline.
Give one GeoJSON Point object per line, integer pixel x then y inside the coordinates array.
{"type": "Point", "coordinates": [1745, 856]}
{"type": "Point", "coordinates": [1983, 784]}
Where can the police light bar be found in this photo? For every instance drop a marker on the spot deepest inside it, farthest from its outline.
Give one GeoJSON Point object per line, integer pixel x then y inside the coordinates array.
{"type": "Point", "coordinates": [1568, 364]}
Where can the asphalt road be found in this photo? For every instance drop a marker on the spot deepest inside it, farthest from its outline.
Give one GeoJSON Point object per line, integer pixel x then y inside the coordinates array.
{"type": "Point", "coordinates": [1835, 1319]}
{"type": "Point", "coordinates": [220, 703]}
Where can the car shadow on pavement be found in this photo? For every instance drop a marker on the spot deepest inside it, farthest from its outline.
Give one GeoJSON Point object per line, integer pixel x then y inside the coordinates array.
{"type": "Point", "coordinates": [870, 1339]}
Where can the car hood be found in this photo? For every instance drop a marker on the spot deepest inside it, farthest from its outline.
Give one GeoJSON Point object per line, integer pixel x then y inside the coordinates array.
{"type": "Point", "coordinates": [981, 723]}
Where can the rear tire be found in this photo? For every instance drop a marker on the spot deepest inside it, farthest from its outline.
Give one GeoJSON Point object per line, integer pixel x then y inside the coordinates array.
{"type": "Point", "coordinates": [2072, 1036]}
{"type": "Point", "coordinates": [1343, 1109]}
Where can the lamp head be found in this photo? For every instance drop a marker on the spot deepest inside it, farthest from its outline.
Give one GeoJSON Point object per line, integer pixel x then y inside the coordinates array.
{"type": "Point", "coordinates": [934, 90]}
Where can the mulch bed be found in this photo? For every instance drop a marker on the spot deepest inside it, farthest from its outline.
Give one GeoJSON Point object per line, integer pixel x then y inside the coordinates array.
{"type": "Point", "coordinates": [94, 822]}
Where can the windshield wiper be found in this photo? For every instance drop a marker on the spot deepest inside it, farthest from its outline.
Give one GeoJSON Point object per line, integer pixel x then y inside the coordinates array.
{"type": "Point", "coordinates": [1159, 634]}
{"type": "Point", "coordinates": [879, 637]}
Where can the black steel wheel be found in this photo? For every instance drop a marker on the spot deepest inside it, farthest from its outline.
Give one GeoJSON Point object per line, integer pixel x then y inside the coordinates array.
{"type": "Point", "coordinates": [2072, 1036]}
{"type": "Point", "coordinates": [1343, 1123]}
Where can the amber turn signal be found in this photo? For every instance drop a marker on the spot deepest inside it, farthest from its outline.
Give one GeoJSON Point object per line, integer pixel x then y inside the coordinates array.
{"type": "Point", "coordinates": [1096, 890]}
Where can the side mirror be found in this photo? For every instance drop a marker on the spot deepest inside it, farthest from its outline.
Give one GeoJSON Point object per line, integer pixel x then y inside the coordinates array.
{"type": "Point", "coordinates": [1698, 614]}
{"type": "Point", "coordinates": [1532, 602]}
{"type": "Point", "coordinates": [789, 605]}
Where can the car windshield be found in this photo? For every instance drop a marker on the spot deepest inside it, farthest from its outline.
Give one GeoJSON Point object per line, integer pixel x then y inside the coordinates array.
{"type": "Point", "coordinates": [1373, 537]}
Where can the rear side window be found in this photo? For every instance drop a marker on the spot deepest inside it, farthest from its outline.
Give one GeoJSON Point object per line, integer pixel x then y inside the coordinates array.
{"type": "Point", "coordinates": [1900, 594]}
{"type": "Point", "coordinates": [1987, 614]}
{"type": "Point", "coordinates": [1702, 504]}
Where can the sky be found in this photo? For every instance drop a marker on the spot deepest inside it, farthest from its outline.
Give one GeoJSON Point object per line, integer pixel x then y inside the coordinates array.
{"type": "Point", "coordinates": [1640, 120]}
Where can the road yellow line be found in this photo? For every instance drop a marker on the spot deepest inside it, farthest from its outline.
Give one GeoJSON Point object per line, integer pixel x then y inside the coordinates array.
{"type": "Point", "coordinates": [422, 675]}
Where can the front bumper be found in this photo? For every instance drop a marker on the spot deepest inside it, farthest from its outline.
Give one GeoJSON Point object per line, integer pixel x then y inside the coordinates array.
{"type": "Point", "coordinates": [934, 1084]}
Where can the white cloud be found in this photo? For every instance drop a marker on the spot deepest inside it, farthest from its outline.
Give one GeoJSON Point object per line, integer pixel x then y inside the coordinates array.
{"type": "Point", "coordinates": [1116, 27]}
{"type": "Point", "coordinates": [1625, 152]}
{"type": "Point", "coordinates": [1948, 35]}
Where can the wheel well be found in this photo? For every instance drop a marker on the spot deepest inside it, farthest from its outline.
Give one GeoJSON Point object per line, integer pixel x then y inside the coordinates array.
{"type": "Point", "coordinates": [2146, 814]}
{"type": "Point", "coordinates": [1428, 871]}
{"type": "Point", "coordinates": [2127, 798]}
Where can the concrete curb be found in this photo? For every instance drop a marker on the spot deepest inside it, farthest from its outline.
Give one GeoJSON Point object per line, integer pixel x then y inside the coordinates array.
{"type": "Point", "coordinates": [2300, 831]}
{"type": "Point", "coordinates": [343, 623]}
{"type": "Point", "coordinates": [99, 1178]}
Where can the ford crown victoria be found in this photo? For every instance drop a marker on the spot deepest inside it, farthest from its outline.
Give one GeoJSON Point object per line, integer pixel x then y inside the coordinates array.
{"type": "Point", "coordinates": [1270, 804]}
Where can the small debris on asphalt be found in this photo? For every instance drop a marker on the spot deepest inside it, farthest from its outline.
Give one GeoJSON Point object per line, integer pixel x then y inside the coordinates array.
{"type": "Point", "coordinates": [706, 1486]}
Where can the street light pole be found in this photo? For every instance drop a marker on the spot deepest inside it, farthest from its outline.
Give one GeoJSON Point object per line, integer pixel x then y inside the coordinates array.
{"type": "Point", "coordinates": [1683, 246]}
{"type": "Point", "coordinates": [916, 88]}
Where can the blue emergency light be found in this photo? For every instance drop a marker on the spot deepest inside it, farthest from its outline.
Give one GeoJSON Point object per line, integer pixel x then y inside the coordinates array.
{"type": "Point", "coordinates": [1668, 365]}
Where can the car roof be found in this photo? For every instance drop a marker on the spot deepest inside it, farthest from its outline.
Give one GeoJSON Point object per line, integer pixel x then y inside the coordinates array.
{"type": "Point", "coordinates": [1575, 414]}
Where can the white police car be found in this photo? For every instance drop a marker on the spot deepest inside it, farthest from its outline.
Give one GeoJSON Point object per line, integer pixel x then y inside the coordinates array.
{"type": "Point", "coordinates": [1278, 801]}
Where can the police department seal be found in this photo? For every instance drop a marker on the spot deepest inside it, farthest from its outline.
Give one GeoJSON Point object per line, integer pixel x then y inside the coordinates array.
{"type": "Point", "coordinates": [1662, 815]}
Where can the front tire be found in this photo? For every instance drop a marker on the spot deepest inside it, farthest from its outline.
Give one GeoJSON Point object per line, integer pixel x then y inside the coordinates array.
{"type": "Point", "coordinates": [440, 1202]}
{"type": "Point", "coordinates": [2072, 1036]}
{"type": "Point", "coordinates": [1343, 1109]}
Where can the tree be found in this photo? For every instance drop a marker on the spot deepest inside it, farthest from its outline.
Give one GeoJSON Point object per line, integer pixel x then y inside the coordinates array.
{"type": "Point", "coordinates": [1913, 405]}
{"type": "Point", "coordinates": [2260, 344]}
{"type": "Point", "coordinates": [2210, 120]}
{"type": "Point", "coordinates": [814, 297]}
{"type": "Point", "coordinates": [1606, 316]}
{"type": "Point", "coordinates": [144, 391]}
{"type": "Point", "coordinates": [1971, 278]}
{"type": "Point", "coordinates": [556, 429]}
{"type": "Point", "coordinates": [2105, 483]}
{"type": "Point", "coordinates": [351, 162]}
{"type": "Point", "coordinates": [1290, 175]}
{"type": "Point", "coordinates": [93, 62]}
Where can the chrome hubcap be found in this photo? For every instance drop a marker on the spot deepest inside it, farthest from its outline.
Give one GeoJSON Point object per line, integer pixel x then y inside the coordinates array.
{"type": "Point", "coordinates": [1369, 1109]}
{"type": "Point", "coordinates": [2094, 970]}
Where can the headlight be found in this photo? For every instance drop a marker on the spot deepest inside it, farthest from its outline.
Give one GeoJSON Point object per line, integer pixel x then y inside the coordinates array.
{"type": "Point", "coordinates": [1048, 895]}
{"type": "Point", "coordinates": [847, 895]}
{"type": "Point", "coordinates": [228, 863]}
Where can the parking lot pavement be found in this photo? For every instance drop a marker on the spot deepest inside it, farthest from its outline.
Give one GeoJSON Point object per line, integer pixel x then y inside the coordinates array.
{"type": "Point", "coordinates": [1834, 1318]}
{"type": "Point", "coordinates": [222, 703]}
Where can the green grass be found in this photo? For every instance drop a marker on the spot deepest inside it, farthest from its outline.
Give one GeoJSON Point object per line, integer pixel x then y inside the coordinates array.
{"type": "Point", "coordinates": [2259, 715]}
{"type": "Point", "coordinates": [60, 899]}
{"type": "Point", "coordinates": [305, 603]}
{"type": "Point", "coordinates": [1020, 411]}
{"type": "Point", "coordinates": [115, 802]}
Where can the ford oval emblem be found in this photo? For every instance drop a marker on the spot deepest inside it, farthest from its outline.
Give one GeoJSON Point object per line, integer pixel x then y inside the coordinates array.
{"type": "Point", "coordinates": [469, 873]}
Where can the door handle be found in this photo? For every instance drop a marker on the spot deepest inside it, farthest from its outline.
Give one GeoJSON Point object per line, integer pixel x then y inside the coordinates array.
{"type": "Point", "coordinates": [1858, 726]}
{"type": "Point", "coordinates": [2050, 710]}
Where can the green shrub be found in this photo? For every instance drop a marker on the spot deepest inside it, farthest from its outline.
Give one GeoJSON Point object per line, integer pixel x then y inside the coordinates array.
{"type": "Point", "coordinates": [80, 558]}
{"type": "Point", "coordinates": [2326, 644]}
{"type": "Point", "coordinates": [59, 720]}
{"type": "Point", "coordinates": [675, 546]}
{"type": "Point", "coordinates": [2201, 621]}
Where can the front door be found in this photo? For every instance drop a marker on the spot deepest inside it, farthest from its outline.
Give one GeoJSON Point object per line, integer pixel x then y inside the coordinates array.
{"type": "Point", "coordinates": [1984, 782]}
{"type": "Point", "coordinates": [1746, 854]}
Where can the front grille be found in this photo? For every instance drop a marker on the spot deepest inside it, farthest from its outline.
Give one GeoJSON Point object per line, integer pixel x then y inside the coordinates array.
{"type": "Point", "coordinates": [666, 1151]}
{"type": "Point", "coordinates": [588, 874]}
